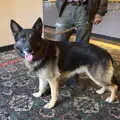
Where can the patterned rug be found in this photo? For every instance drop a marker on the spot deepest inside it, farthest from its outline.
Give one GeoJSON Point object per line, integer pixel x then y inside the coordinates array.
{"type": "Point", "coordinates": [76, 102]}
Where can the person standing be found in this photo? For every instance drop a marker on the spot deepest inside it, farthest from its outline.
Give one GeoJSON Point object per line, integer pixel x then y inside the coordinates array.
{"type": "Point", "coordinates": [81, 14]}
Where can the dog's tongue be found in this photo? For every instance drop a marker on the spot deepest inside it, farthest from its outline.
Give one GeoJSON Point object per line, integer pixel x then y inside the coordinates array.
{"type": "Point", "coordinates": [29, 57]}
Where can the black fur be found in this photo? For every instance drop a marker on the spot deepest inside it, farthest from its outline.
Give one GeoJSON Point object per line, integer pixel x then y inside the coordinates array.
{"type": "Point", "coordinates": [74, 55]}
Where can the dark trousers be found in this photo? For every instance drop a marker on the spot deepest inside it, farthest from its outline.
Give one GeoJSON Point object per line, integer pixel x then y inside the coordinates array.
{"type": "Point", "coordinates": [74, 15]}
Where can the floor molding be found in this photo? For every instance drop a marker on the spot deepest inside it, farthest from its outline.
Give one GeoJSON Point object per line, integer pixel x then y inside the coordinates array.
{"type": "Point", "coordinates": [6, 48]}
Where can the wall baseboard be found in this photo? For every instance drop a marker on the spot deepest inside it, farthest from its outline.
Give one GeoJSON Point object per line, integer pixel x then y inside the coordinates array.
{"type": "Point", "coordinates": [105, 38]}
{"type": "Point", "coordinates": [6, 48]}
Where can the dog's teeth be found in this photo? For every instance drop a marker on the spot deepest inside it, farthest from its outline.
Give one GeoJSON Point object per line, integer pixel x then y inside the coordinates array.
{"type": "Point", "coordinates": [29, 57]}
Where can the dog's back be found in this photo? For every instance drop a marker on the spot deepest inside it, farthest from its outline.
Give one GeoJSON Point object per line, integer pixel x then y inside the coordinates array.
{"type": "Point", "coordinates": [74, 55]}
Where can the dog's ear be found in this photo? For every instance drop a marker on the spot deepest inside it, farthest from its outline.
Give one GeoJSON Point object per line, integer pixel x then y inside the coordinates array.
{"type": "Point", "coordinates": [15, 27]}
{"type": "Point", "coordinates": [38, 25]}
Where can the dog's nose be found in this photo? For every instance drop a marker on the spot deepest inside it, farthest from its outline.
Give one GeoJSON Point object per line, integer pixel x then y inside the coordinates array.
{"type": "Point", "coordinates": [27, 50]}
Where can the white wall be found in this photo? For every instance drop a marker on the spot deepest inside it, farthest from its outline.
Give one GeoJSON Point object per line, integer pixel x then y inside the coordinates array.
{"type": "Point", "coordinates": [110, 25]}
{"type": "Point", "coordinates": [24, 12]}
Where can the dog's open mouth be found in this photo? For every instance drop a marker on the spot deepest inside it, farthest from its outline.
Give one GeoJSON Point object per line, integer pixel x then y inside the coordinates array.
{"type": "Point", "coordinates": [32, 56]}
{"type": "Point", "coordinates": [29, 57]}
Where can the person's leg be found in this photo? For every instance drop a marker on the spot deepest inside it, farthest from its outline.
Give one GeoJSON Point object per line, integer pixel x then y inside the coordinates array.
{"type": "Point", "coordinates": [83, 30]}
{"type": "Point", "coordinates": [83, 25]}
{"type": "Point", "coordinates": [60, 27]}
{"type": "Point", "coordinates": [64, 23]}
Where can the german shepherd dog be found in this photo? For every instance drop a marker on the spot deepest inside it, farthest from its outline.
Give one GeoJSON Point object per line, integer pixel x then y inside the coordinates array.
{"type": "Point", "coordinates": [56, 61]}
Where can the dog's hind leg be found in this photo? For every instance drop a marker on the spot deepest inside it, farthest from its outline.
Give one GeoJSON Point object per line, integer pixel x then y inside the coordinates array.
{"type": "Point", "coordinates": [109, 82]}
{"type": "Point", "coordinates": [102, 76]}
{"type": "Point", "coordinates": [102, 89]}
{"type": "Point", "coordinates": [113, 88]}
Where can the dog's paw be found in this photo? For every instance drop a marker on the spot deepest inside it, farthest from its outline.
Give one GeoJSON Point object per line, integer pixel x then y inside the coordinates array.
{"type": "Point", "coordinates": [49, 105]}
{"type": "Point", "coordinates": [100, 91]}
{"type": "Point", "coordinates": [37, 94]}
{"type": "Point", "coordinates": [109, 100]}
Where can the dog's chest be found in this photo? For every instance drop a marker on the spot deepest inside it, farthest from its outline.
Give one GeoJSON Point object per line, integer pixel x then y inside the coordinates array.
{"type": "Point", "coordinates": [49, 70]}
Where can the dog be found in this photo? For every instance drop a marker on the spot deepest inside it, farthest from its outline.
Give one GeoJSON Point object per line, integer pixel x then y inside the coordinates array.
{"type": "Point", "coordinates": [56, 60]}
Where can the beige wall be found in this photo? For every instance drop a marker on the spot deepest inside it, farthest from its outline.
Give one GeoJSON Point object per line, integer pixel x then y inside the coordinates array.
{"type": "Point", "coordinates": [24, 12]}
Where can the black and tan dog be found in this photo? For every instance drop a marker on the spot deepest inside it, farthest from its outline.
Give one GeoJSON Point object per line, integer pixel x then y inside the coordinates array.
{"type": "Point", "coordinates": [56, 60]}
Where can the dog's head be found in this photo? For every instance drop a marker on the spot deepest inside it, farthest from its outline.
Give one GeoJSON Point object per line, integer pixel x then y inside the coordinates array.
{"type": "Point", "coordinates": [27, 41]}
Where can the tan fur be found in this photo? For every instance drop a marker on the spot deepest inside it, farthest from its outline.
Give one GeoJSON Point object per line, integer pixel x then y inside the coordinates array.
{"type": "Point", "coordinates": [54, 86]}
{"type": "Point", "coordinates": [112, 87]}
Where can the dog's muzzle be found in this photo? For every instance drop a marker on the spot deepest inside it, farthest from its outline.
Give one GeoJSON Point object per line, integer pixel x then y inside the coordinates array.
{"type": "Point", "coordinates": [28, 56]}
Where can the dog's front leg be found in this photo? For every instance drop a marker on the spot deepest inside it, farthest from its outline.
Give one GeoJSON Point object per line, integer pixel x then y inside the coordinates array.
{"type": "Point", "coordinates": [54, 86]}
{"type": "Point", "coordinates": [43, 85]}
